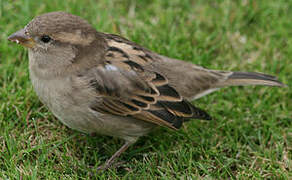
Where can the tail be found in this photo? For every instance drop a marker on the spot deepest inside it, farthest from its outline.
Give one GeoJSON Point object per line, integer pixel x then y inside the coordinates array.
{"type": "Point", "coordinates": [250, 78]}
{"type": "Point", "coordinates": [235, 79]}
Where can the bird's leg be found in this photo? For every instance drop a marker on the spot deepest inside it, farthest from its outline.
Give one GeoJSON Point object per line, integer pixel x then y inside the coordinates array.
{"type": "Point", "coordinates": [111, 160]}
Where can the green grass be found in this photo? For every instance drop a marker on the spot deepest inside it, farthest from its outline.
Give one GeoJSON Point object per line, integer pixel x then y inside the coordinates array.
{"type": "Point", "coordinates": [250, 136]}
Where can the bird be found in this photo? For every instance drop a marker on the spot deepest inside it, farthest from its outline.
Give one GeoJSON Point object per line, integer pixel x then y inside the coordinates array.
{"type": "Point", "coordinates": [97, 82]}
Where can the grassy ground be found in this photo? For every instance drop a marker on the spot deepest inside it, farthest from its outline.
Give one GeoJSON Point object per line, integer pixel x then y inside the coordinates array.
{"type": "Point", "coordinates": [250, 136]}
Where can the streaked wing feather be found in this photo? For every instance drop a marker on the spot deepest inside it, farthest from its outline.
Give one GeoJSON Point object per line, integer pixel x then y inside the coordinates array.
{"type": "Point", "coordinates": [137, 92]}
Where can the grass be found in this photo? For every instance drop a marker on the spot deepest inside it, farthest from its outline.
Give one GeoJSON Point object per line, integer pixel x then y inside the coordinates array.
{"type": "Point", "coordinates": [250, 136]}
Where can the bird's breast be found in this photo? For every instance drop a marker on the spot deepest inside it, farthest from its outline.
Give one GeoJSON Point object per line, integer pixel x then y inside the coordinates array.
{"type": "Point", "coordinates": [59, 96]}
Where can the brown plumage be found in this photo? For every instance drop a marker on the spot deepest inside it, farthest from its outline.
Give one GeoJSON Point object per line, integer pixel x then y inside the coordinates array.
{"type": "Point", "coordinates": [104, 83]}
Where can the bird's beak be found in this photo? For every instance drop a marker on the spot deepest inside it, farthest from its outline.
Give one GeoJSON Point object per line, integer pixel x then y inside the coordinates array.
{"type": "Point", "coordinates": [20, 37]}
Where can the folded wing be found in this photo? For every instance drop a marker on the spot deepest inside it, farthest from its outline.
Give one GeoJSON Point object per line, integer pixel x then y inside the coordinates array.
{"type": "Point", "coordinates": [125, 88]}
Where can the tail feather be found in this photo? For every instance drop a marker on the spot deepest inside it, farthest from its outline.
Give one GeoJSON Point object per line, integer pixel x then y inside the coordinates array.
{"type": "Point", "coordinates": [250, 78]}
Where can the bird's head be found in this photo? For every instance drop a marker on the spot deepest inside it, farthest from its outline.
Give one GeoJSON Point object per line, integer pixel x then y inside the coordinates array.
{"type": "Point", "coordinates": [55, 28]}
{"type": "Point", "coordinates": [57, 40]}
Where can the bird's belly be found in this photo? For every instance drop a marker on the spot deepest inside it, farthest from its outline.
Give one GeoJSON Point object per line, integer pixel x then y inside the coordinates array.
{"type": "Point", "coordinates": [58, 97]}
{"type": "Point", "coordinates": [78, 115]}
{"type": "Point", "coordinates": [88, 121]}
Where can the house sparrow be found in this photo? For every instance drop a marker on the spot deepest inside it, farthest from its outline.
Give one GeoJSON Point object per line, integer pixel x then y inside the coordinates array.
{"type": "Point", "coordinates": [103, 83]}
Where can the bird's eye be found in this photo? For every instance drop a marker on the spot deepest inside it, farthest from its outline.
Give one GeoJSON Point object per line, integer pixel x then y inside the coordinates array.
{"type": "Point", "coordinates": [45, 39]}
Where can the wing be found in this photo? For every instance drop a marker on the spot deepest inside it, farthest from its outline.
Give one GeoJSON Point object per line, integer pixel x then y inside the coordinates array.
{"type": "Point", "coordinates": [125, 88]}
